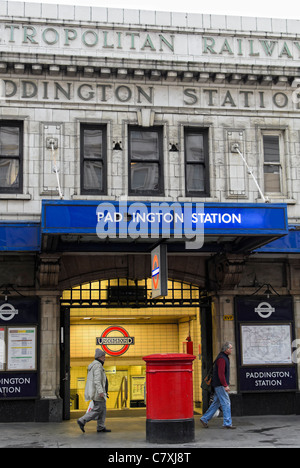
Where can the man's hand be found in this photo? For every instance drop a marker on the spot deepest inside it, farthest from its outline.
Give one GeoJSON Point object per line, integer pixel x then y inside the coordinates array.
{"type": "Point", "coordinates": [227, 389]}
{"type": "Point", "coordinates": [101, 395]}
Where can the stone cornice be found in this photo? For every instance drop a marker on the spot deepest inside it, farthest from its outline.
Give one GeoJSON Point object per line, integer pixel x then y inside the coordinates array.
{"type": "Point", "coordinates": [60, 66]}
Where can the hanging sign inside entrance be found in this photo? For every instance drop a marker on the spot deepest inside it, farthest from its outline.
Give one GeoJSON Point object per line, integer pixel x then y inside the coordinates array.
{"type": "Point", "coordinates": [159, 271]}
{"type": "Point", "coordinates": [115, 337]}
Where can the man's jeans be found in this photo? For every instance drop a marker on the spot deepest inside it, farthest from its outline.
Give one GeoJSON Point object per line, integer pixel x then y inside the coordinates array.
{"type": "Point", "coordinates": [222, 399]}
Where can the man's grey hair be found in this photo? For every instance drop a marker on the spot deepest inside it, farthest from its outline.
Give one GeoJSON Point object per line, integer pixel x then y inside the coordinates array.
{"type": "Point", "coordinates": [226, 346]}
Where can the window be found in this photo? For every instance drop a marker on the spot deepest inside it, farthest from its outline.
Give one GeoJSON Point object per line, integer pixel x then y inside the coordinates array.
{"type": "Point", "coordinates": [272, 164]}
{"type": "Point", "coordinates": [196, 162]}
{"type": "Point", "coordinates": [93, 159]}
{"type": "Point", "coordinates": [145, 161]}
{"type": "Point", "coordinates": [11, 157]}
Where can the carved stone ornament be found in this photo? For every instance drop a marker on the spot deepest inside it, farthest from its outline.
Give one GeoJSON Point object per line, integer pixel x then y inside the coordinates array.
{"type": "Point", "coordinates": [48, 271]}
{"type": "Point", "coordinates": [225, 270]}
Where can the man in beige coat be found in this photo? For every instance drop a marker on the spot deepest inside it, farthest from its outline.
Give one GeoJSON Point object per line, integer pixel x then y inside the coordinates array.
{"type": "Point", "coordinates": [96, 390]}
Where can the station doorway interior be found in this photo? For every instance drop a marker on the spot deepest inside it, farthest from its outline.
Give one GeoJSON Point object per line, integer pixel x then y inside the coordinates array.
{"type": "Point", "coordinates": [121, 307]}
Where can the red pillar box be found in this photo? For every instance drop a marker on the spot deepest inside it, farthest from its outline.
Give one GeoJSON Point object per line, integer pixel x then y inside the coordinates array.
{"type": "Point", "coordinates": [169, 398]}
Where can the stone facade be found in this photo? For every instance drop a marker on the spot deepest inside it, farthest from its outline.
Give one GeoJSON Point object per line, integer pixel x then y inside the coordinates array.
{"type": "Point", "coordinates": [64, 66]}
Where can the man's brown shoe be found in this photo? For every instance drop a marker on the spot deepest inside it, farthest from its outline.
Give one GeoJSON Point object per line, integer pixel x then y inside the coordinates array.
{"type": "Point", "coordinates": [204, 424]}
{"type": "Point", "coordinates": [229, 427]}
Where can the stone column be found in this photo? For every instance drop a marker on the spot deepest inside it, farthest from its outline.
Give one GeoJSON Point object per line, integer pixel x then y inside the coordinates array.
{"type": "Point", "coordinates": [50, 405]}
{"type": "Point", "coordinates": [225, 272]}
{"type": "Point", "coordinates": [49, 347]}
{"type": "Point", "coordinates": [224, 330]}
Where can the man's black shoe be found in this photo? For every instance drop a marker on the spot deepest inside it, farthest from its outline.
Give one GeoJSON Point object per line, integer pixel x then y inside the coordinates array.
{"type": "Point", "coordinates": [103, 430]}
{"type": "Point", "coordinates": [80, 425]}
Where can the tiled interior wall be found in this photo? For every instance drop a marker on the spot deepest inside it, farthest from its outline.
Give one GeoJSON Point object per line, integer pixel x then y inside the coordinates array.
{"type": "Point", "coordinates": [149, 339]}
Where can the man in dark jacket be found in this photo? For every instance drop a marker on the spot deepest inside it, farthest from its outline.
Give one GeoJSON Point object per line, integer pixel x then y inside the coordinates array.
{"type": "Point", "coordinates": [220, 383]}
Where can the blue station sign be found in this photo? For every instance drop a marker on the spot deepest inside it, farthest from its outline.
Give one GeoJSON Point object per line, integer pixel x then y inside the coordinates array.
{"type": "Point", "coordinates": [110, 219]}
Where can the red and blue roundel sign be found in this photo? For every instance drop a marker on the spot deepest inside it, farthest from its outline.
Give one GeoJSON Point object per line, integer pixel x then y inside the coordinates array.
{"type": "Point", "coordinates": [115, 337]}
{"type": "Point", "coordinates": [155, 272]}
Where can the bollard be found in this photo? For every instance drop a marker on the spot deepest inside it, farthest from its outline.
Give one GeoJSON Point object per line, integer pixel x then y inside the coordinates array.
{"type": "Point", "coordinates": [169, 395]}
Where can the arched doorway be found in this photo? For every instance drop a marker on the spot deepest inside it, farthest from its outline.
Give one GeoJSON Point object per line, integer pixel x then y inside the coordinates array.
{"type": "Point", "coordinates": [120, 316]}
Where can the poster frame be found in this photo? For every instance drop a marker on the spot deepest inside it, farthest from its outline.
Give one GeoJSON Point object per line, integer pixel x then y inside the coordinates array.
{"type": "Point", "coordinates": [20, 327]}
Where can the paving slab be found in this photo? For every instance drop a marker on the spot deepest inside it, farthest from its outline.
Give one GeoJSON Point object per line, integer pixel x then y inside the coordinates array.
{"type": "Point", "coordinates": [130, 433]}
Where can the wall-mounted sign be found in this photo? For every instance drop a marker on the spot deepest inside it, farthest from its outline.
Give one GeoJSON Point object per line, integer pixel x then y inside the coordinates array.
{"type": "Point", "coordinates": [264, 310]}
{"type": "Point", "coordinates": [228, 318]}
{"type": "Point", "coordinates": [19, 311]}
{"type": "Point", "coordinates": [265, 333]}
{"type": "Point", "coordinates": [266, 344]}
{"type": "Point", "coordinates": [18, 385]}
{"type": "Point", "coordinates": [19, 329]}
{"type": "Point", "coordinates": [115, 341]}
{"type": "Point", "coordinates": [7, 311]}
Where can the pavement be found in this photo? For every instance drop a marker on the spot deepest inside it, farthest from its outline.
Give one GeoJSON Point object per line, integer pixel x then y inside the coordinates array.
{"type": "Point", "coordinates": [130, 433]}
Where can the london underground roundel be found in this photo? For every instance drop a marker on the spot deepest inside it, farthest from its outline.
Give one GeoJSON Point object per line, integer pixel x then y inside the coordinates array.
{"type": "Point", "coordinates": [115, 340]}
{"type": "Point", "coordinates": [155, 272]}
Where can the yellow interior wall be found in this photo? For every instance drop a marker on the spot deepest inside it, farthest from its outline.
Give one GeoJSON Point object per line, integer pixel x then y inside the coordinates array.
{"type": "Point", "coordinates": [150, 338]}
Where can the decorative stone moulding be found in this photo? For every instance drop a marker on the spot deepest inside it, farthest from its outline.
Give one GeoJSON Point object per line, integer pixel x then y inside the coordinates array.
{"type": "Point", "coordinates": [278, 78]}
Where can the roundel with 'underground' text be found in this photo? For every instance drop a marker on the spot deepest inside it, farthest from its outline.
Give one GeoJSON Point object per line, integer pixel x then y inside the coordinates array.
{"type": "Point", "coordinates": [115, 340]}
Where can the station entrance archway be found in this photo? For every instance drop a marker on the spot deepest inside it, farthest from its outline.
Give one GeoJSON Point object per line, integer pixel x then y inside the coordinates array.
{"type": "Point", "coordinates": [120, 316]}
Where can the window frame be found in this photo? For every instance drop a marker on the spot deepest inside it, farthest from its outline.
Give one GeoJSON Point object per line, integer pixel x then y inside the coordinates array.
{"type": "Point", "coordinates": [279, 134]}
{"type": "Point", "coordinates": [159, 161]}
{"type": "Point", "coordinates": [103, 128]}
{"type": "Point", "coordinates": [19, 124]}
{"type": "Point", "coordinates": [206, 191]}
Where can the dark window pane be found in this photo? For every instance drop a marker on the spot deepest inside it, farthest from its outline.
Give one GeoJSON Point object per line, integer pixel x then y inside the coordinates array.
{"type": "Point", "coordinates": [144, 146]}
{"type": "Point", "coordinates": [9, 141]}
{"type": "Point", "coordinates": [196, 162]}
{"type": "Point", "coordinates": [195, 177]}
{"type": "Point", "coordinates": [144, 177]}
{"type": "Point", "coordinates": [93, 175]}
{"type": "Point", "coordinates": [271, 148]}
{"type": "Point", "coordinates": [194, 148]}
{"type": "Point", "coordinates": [92, 146]}
{"type": "Point", "coordinates": [9, 173]}
{"type": "Point", "coordinates": [93, 159]}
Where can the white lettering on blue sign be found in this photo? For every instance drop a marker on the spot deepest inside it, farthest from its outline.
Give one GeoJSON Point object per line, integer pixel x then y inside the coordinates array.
{"type": "Point", "coordinates": [218, 218]}
{"type": "Point", "coordinates": [139, 220]}
{"type": "Point", "coordinates": [268, 379]}
{"type": "Point", "coordinates": [12, 385]}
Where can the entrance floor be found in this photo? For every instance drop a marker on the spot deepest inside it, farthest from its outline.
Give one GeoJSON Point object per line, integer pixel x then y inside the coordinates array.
{"type": "Point", "coordinates": [117, 413]}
